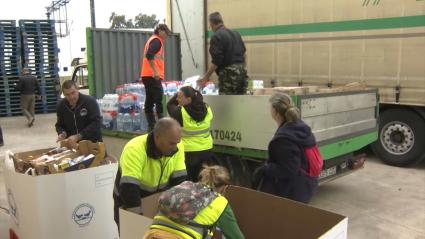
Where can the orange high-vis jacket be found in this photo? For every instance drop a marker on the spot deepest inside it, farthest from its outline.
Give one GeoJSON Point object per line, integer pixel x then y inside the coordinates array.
{"type": "Point", "coordinates": [158, 60]}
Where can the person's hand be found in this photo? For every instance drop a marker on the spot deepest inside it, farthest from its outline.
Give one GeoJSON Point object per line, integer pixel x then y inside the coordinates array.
{"type": "Point", "coordinates": [202, 81]}
{"type": "Point", "coordinates": [73, 140]}
{"type": "Point", "coordinates": [61, 137]}
{"type": "Point", "coordinates": [156, 75]}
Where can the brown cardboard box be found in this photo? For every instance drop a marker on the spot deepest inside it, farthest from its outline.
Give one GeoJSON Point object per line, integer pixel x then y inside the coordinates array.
{"type": "Point", "coordinates": [22, 161]}
{"type": "Point", "coordinates": [259, 215]}
{"type": "Point", "coordinates": [295, 90]}
{"type": "Point", "coordinates": [355, 86]}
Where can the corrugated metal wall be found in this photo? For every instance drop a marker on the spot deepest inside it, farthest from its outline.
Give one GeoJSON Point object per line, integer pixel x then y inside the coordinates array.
{"type": "Point", "coordinates": [116, 58]}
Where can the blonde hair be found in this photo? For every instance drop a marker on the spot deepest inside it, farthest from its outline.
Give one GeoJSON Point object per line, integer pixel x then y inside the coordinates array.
{"type": "Point", "coordinates": [214, 176]}
{"type": "Point", "coordinates": [283, 105]}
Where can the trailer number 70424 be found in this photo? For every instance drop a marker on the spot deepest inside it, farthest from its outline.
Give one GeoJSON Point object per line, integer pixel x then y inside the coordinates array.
{"type": "Point", "coordinates": [228, 135]}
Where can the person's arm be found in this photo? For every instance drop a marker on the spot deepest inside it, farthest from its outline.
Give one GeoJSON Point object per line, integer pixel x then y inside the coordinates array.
{"type": "Point", "coordinates": [179, 174]}
{"type": "Point", "coordinates": [217, 57]}
{"type": "Point", "coordinates": [284, 159]}
{"type": "Point", "coordinates": [208, 74]}
{"type": "Point", "coordinates": [37, 86]}
{"type": "Point", "coordinates": [154, 47]}
{"type": "Point", "coordinates": [18, 86]}
{"type": "Point", "coordinates": [131, 173]}
{"type": "Point", "coordinates": [94, 118]}
{"type": "Point", "coordinates": [174, 110]}
{"type": "Point", "coordinates": [60, 125]}
{"type": "Point", "coordinates": [228, 224]}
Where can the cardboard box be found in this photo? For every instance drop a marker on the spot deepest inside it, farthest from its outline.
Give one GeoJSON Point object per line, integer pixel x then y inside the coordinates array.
{"type": "Point", "coordinates": [290, 90]}
{"type": "Point", "coordinates": [259, 215]}
{"type": "Point", "coordinates": [23, 161]}
{"type": "Point", "coordinates": [355, 86]}
{"type": "Point", "coordinates": [69, 205]}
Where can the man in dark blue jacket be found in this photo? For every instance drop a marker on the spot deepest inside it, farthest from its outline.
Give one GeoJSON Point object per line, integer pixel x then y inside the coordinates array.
{"type": "Point", "coordinates": [78, 116]}
{"type": "Point", "coordinates": [28, 86]}
{"type": "Point", "coordinates": [284, 173]}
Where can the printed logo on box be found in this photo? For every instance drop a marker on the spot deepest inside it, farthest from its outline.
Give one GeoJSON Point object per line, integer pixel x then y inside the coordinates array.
{"type": "Point", "coordinates": [12, 205]}
{"type": "Point", "coordinates": [83, 214]}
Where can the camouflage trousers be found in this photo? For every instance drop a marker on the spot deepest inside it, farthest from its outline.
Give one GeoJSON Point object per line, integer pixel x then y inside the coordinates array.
{"type": "Point", "coordinates": [233, 80]}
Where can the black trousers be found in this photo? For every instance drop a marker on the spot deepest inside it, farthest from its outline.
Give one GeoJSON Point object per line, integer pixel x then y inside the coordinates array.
{"type": "Point", "coordinates": [194, 162]}
{"type": "Point", "coordinates": [154, 93]}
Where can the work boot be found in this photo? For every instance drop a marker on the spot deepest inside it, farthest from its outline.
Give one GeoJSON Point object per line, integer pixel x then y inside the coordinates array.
{"type": "Point", "coordinates": [150, 117]}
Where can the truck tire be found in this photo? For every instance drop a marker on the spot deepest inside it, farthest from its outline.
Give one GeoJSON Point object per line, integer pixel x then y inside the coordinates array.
{"type": "Point", "coordinates": [401, 137]}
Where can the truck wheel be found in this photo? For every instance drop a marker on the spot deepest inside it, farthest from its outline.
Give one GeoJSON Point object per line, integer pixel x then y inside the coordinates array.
{"type": "Point", "coordinates": [401, 137]}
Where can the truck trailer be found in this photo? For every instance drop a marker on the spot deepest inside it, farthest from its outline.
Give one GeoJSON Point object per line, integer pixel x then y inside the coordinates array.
{"type": "Point", "coordinates": [326, 43]}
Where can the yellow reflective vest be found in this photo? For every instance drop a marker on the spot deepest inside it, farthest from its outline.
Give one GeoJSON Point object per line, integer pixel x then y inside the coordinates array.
{"type": "Point", "coordinates": [196, 135]}
{"type": "Point", "coordinates": [207, 217]}
{"type": "Point", "coordinates": [148, 173]}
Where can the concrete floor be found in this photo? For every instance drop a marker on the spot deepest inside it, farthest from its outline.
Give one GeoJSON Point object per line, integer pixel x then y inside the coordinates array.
{"type": "Point", "coordinates": [380, 201]}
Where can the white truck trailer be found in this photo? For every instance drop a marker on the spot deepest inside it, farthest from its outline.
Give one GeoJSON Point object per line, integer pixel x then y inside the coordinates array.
{"type": "Point", "coordinates": [328, 43]}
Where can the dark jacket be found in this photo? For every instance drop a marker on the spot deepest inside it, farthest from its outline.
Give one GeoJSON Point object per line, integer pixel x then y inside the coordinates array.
{"type": "Point", "coordinates": [85, 119]}
{"type": "Point", "coordinates": [28, 85]}
{"type": "Point", "coordinates": [226, 48]}
{"type": "Point", "coordinates": [197, 113]}
{"type": "Point", "coordinates": [282, 174]}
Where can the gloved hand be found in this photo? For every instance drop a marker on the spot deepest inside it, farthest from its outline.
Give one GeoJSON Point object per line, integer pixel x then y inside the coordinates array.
{"type": "Point", "coordinates": [258, 176]}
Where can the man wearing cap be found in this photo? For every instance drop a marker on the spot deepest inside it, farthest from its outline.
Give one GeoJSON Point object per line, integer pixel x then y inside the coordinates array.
{"type": "Point", "coordinates": [152, 73]}
{"type": "Point", "coordinates": [28, 86]}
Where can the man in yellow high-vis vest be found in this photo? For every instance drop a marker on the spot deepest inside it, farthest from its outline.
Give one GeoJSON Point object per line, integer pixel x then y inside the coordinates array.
{"type": "Point", "coordinates": [149, 163]}
{"type": "Point", "coordinates": [195, 116]}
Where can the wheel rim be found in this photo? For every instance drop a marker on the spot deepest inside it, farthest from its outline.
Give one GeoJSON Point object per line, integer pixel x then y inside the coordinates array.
{"type": "Point", "coordinates": [397, 138]}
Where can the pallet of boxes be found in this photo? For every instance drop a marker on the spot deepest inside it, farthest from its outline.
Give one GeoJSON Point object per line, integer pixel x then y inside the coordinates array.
{"type": "Point", "coordinates": [63, 192]}
{"type": "Point", "coordinates": [305, 90]}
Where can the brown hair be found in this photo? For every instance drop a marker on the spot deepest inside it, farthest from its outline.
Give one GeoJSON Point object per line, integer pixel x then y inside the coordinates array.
{"type": "Point", "coordinates": [161, 27]}
{"type": "Point", "coordinates": [68, 84]}
{"type": "Point", "coordinates": [283, 105]}
{"type": "Point", "coordinates": [214, 176]}
{"type": "Point", "coordinates": [197, 100]}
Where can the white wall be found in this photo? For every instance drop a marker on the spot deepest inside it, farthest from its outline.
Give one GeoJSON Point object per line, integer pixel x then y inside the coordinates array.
{"type": "Point", "coordinates": [192, 12]}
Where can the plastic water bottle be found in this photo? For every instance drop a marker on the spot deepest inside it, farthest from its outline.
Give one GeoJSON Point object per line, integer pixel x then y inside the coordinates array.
{"type": "Point", "coordinates": [119, 89]}
{"type": "Point", "coordinates": [107, 120]}
{"type": "Point", "coordinates": [137, 122]}
{"type": "Point", "coordinates": [171, 88]}
{"type": "Point", "coordinates": [143, 122]}
{"type": "Point", "coordinates": [114, 102]}
{"type": "Point", "coordinates": [127, 122]}
{"type": "Point", "coordinates": [127, 103]}
{"type": "Point", "coordinates": [209, 89]}
{"type": "Point", "coordinates": [120, 122]}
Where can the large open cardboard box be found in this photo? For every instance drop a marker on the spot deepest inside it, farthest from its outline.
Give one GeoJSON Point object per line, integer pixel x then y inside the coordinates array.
{"type": "Point", "coordinates": [70, 205]}
{"type": "Point", "coordinates": [260, 216]}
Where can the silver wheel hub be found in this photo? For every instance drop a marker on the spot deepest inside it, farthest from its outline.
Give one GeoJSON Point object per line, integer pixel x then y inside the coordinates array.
{"type": "Point", "coordinates": [397, 138]}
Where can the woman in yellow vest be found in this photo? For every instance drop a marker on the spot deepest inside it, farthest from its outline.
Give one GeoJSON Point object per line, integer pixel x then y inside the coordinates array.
{"type": "Point", "coordinates": [195, 116]}
{"type": "Point", "coordinates": [194, 210]}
